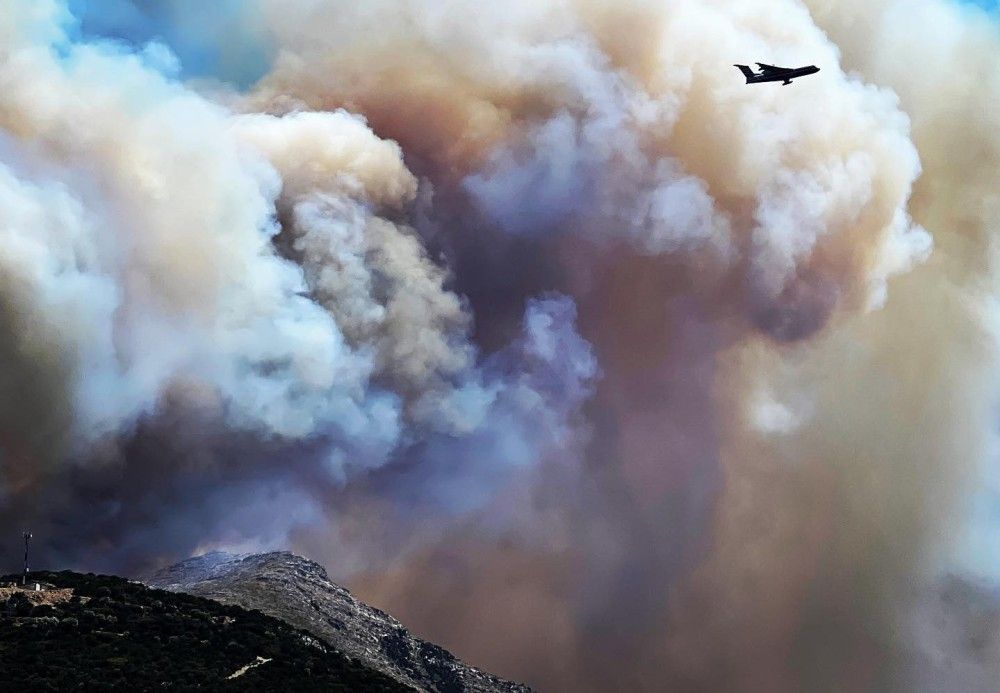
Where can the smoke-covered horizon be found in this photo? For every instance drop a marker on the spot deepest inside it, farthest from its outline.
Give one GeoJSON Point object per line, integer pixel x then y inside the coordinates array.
{"type": "Point", "coordinates": [532, 322]}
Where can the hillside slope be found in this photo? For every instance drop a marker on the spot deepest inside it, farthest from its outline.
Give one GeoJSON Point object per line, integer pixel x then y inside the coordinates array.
{"type": "Point", "coordinates": [95, 632]}
{"type": "Point", "coordinates": [299, 592]}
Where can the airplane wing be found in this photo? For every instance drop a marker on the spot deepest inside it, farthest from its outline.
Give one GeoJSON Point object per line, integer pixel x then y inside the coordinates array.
{"type": "Point", "coordinates": [771, 69]}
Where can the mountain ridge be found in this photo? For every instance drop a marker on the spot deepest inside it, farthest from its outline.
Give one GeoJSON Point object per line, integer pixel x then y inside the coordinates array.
{"type": "Point", "coordinates": [298, 591]}
{"type": "Point", "coordinates": [103, 632]}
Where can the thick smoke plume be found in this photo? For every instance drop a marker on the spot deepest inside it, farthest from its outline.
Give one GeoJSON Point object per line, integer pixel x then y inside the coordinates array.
{"type": "Point", "coordinates": [532, 321]}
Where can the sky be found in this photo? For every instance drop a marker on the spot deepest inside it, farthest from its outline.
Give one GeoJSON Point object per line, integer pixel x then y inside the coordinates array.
{"type": "Point", "coordinates": [530, 320]}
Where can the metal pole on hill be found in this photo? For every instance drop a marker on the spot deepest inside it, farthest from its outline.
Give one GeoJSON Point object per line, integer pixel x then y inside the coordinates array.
{"type": "Point", "coordinates": [24, 578]}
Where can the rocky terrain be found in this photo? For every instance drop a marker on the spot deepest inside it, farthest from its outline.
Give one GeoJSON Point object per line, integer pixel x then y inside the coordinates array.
{"type": "Point", "coordinates": [299, 592]}
{"type": "Point", "coordinates": [101, 633]}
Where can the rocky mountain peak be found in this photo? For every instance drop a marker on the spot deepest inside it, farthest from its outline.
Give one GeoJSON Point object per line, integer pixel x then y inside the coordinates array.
{"type": "Point", "coordinates": [299, 591]}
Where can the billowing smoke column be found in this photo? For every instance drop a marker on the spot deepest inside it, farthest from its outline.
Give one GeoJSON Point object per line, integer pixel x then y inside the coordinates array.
{"type": "Point", "coordinates": [533, 322]}
{"type": "Point", "coordinates": [172, 264]}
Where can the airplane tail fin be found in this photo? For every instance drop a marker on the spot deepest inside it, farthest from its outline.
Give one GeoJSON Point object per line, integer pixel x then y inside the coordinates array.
{"type": "Point", "coordinates": [747, 72]}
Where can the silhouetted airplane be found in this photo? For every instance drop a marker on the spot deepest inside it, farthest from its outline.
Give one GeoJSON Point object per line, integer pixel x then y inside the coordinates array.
{"type": "Point", "coordinates": [770, 73]}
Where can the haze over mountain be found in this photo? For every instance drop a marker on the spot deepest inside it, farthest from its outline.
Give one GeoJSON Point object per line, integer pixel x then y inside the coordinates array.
{"type": "Point", "coordinates": [950, 642]}
{"type": "Point", "coordinates": [137, 639]}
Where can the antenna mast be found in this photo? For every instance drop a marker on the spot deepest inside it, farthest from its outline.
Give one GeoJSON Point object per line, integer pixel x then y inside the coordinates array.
{"type": "Point", "coordinates": [24, 578]}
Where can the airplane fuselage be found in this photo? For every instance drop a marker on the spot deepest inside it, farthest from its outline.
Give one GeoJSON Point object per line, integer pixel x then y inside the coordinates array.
{"type": "Point", "coordinates": [787, 76]}
{"type": "Point", "coordinates": [772, 74]}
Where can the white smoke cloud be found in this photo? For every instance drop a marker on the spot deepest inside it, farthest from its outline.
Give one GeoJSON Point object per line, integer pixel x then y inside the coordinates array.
{"type": "Point", "coordinates": [372, 275]}
{"type": "Point", "coordinates": [171, 230]}
{"type": "Point", "coordinates": [141, 258]}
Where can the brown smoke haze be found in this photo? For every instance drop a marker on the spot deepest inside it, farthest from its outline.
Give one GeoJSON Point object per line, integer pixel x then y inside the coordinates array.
{"type": "Point", "coordinates": [530, 320]}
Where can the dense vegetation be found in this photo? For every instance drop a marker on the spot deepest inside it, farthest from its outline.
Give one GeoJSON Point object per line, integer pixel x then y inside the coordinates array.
{"type": "Point", "coordinates": [113, 634]}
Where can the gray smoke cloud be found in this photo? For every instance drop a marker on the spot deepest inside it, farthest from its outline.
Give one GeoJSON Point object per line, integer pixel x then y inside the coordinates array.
{"type": "Point", "coordinates": [171, 263]}
{"type": "Point", "coordinates": [533, 322]}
